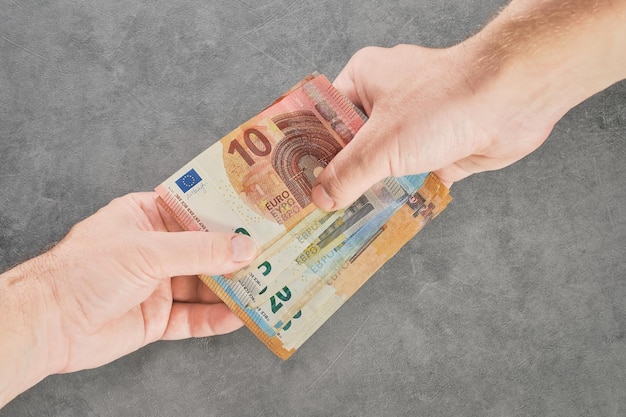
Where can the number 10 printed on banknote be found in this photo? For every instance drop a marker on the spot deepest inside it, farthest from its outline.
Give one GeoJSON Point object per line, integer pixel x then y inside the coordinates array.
{"type": "Point", "coordinates": [257, 180]}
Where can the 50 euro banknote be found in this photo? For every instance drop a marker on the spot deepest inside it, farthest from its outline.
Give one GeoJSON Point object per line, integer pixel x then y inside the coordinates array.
{"type": "Point", "coordinates": [257, 180]}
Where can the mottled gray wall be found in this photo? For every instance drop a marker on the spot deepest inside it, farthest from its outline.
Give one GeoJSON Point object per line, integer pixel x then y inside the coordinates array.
{"type": "Point", "coordinates": [510, 304]}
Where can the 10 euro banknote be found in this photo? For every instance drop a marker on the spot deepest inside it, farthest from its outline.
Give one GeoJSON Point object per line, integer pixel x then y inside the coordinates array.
{"type": "Point", "coordinates": [257, 180]}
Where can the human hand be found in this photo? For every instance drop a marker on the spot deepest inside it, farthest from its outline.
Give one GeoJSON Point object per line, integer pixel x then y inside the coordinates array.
{"type": "Point", "coordinates": [479, 105]}
{"type": "Point", "coordinates": [429, 110]}
{"type": "Point", "coordinates": [119, 280]}
{"type": "Point", "coordinates": [124, 281]}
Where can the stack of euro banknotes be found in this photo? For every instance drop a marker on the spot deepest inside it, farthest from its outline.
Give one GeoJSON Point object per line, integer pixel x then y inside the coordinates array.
{"type": "Point", "coordinates": [257, 180]}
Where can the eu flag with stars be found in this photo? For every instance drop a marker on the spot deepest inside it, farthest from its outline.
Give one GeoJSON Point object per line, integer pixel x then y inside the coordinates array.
{"type": "Point", "coordinates": [187, 181]}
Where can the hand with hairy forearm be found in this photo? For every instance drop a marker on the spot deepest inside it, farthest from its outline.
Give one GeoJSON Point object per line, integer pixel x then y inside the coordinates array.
{"type": "Point", "coordinates": [480, 105]}
{"type": "Point", "coordinates": [120, 279]}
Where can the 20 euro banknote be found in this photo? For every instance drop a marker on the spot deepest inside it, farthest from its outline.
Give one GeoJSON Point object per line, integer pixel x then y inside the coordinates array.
{"type": "Point", "coordinates": [257, 180]}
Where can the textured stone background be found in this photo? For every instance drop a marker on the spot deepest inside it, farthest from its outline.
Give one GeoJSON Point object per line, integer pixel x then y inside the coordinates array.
{"type": "Point", "coordinates": [510, 304]}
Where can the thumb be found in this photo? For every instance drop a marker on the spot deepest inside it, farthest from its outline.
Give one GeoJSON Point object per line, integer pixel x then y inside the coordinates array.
{"type": "Point", "coordinates": [353, 170]}
{"type": "Point", "coordinates": [193, 253]}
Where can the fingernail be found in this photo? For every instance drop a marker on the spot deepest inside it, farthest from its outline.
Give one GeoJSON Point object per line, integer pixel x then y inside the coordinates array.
{"type": "Point", "coordinates": [322, 199]}
{"type": "Point", "coordinates": [243, 248]}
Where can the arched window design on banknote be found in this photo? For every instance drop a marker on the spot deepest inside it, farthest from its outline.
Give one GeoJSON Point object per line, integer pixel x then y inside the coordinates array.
{"type": "Point", "coordinates": [307, 148]}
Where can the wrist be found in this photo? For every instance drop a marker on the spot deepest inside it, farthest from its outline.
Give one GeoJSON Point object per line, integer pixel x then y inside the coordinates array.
{"type": "Point", "coordinates": [32, 344]}
{"type": "Point", "coordinates": [545, 58]}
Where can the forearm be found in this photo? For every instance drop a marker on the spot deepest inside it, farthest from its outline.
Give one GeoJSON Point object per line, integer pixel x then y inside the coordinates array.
{"type": "Point", "coordinates": [553, 54]}
{"type": "Point", "coordinates": [27, 350]}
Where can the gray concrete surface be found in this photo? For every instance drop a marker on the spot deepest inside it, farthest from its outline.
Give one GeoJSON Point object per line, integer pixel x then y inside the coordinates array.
{"type": "Point", "coordinates": [509, 304]}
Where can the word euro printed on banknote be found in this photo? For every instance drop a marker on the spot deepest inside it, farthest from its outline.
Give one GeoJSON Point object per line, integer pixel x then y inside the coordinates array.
{"type": "Point", "coordinates": [257, 180]}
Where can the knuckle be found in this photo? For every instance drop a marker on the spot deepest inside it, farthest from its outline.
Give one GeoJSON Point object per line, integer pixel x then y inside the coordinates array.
{"type": "Point", "coordinates": [399, 159]}
{"type": "Point", "coordinates": [217, 247]}
{"type": "Point", "coordinates": [333, 183]}
{"type": "Point", "coordinates": [144, 255]}
{"type": "Point", "coordinates": [364, 55]}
